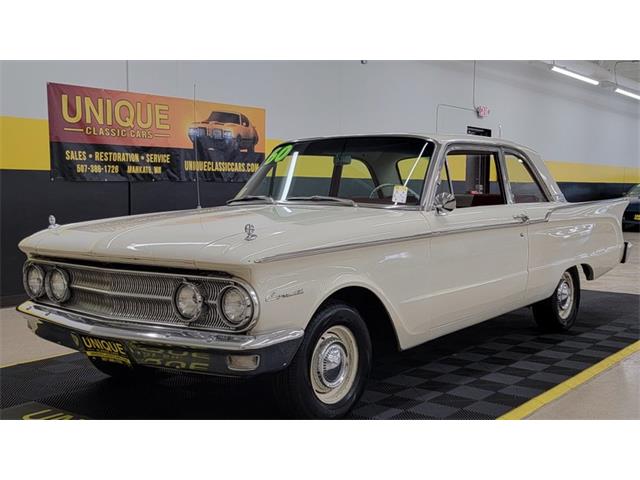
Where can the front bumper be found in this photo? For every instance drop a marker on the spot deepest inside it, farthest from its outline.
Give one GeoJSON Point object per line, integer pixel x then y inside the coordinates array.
{"type": "Point", "coordinates": [175, 348]}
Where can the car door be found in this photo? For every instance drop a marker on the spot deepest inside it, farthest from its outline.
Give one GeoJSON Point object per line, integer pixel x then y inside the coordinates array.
{"type": "Point", "coordinates": [477, 265]}
{"type": "Point", "coordinates": [546, 247]}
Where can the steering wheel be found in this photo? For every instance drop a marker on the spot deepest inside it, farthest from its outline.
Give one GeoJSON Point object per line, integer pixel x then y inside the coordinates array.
{"type": "Point", "coordinates": [382, 185]}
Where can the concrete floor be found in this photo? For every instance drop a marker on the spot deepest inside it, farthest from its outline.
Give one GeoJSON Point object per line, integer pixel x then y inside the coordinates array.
{"type": "Point", "coordinates": [613, 394]}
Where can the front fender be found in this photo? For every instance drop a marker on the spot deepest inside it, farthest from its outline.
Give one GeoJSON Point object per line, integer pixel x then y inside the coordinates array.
{"type": "Point", "coordinates": [289, 298]}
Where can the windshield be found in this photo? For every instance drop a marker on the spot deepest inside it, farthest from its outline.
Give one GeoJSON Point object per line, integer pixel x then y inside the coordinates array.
{"type": "Point", "coordinates": [365, 170]}
{"type": "Point", "coordinates": [223, 117]}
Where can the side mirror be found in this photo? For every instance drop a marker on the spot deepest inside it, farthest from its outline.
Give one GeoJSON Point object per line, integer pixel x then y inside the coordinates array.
{"type": "Point", "coordinates": [444, 202]}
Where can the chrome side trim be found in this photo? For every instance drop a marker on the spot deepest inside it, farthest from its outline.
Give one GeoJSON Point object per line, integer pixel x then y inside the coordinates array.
{"type": "Point", "coordinates": [435, 233]}
{"type": "Point", "coordinates": [386, 241]}
{"type": "Point", "coordinates": [339, 248]}
{"type": "Point", "coordinates": [586, 204]}
{"type": "Point", "coordinates": [567, 205]}
{"type": "Point", "coordinates": [153, 334]}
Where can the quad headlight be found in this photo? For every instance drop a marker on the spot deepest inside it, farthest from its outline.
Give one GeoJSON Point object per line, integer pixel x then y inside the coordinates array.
{"type": "Point", "coordinates": [236, 306]}
{"type": "Point", "coordinates": [188, 301]}
{"type": "Point", "coordinates": [33, 280]}
{"type": "Point", "coordinates": [57, 285]}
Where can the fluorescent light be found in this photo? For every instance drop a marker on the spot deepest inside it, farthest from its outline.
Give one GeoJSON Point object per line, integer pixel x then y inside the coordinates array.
{"type": "Point", "coordinates": [577, 76]}
{"type": "Point", "coordinates": [627, 93]}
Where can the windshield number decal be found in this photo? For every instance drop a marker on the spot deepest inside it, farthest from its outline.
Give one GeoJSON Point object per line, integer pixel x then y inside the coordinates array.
{"type": "Point", "coordinates": [279, 154]}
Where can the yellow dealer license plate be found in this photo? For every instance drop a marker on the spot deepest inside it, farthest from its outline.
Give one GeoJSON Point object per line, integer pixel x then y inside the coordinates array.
{"type": "Point", "coordinates": [105, 350]}
{"type": "Point", "coordinates": [636, 216]}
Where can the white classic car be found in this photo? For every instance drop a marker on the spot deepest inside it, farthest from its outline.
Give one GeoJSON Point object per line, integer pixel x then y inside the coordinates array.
{"type": "Point", "coordinates": [335, 249]}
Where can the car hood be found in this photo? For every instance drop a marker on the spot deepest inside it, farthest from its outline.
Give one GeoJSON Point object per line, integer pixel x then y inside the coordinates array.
{"type": "Point", "coordinates": [207, 124]}
{"type": "Point", "coordinates": [213, 238]}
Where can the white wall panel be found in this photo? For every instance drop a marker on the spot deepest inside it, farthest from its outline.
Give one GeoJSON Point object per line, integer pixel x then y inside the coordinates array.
{"type": "Point", "coordinates": [561, 117]}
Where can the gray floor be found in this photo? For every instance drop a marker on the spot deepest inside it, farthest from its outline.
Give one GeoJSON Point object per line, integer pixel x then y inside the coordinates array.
{"type": "Point", "coordinates": [612, 394]}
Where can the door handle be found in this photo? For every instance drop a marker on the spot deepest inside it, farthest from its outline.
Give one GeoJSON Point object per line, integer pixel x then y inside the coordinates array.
{"type": "Point", "coordinates": [523, 217]}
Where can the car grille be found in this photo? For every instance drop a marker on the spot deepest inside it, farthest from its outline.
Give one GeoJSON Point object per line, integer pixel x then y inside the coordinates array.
{"type": "Point", "coordinates": [140, 297]}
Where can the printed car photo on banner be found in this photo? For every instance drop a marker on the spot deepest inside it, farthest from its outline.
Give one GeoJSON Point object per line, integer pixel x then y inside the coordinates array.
{"type": "Point", "coordinates": [110, 135]}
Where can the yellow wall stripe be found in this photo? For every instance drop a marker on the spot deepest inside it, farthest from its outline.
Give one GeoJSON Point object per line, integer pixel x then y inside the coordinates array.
{"type": "Point", "coordinates": [534, 404]}
{"type": "Point", "coordinates": [24, 145]}
{"type": "Point", "coordinates": [592, 173]}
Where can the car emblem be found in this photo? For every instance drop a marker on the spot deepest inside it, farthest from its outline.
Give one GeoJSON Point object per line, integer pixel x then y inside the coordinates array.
{"type": "Point", "coordinates": [250, 231]}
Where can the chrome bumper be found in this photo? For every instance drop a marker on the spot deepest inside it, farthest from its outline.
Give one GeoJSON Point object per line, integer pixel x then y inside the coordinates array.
{"type": "Point", "coordinates": [168, 347]}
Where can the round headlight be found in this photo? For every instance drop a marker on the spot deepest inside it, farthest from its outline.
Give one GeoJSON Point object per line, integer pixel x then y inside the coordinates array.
{"type": "Point", "coordinates": [236, 306]}
{"type": "Point", "coordinates": [57, 285]}
{"type": "Point", "coordinates": [33, 280]}
{"type": "Point", "coordinates": [188, 301]}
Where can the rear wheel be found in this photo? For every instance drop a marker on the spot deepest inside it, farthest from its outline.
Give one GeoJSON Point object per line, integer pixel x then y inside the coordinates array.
{"type": "Point", "coordinates": [558, 312]}
{"type": "Point", "coordinates": [330, 369]}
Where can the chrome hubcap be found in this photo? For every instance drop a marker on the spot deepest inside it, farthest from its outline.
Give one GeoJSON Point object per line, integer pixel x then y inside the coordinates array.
{"type": "Point", "coordinates": [564, 295]}
{"type": "Point", "coordinates": [334, 364]}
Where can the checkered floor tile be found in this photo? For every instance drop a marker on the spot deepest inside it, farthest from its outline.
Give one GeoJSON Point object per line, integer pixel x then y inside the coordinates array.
{"type": "Point", "coordinates": [480, 372]}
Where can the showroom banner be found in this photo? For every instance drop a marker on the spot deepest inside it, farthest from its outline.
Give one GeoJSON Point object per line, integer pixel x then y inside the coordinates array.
{"type": "Point", "coordinates": [109, 135]}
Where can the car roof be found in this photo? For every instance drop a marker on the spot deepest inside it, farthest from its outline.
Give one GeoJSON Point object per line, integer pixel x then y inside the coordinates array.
{"type": "Point", "coordinates": [440, 138]}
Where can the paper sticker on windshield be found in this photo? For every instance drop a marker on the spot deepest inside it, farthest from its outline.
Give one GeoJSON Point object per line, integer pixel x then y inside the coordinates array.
{"type": "Point", "coordinates": [279, 154]}
{"type": "Point", "coordinates": [399, 194]}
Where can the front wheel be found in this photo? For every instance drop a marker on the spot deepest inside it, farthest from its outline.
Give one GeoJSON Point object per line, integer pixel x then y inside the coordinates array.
{"type": "Point", "coordinates": [558, 312]}
{"type": "Point", "coordinates": [330, 369]}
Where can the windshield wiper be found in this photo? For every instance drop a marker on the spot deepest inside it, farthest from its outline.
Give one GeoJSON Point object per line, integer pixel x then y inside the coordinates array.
{"type": "Point", "coordinates": [252, 198]}
{"type": "Point", "coordinates": [323, 198]}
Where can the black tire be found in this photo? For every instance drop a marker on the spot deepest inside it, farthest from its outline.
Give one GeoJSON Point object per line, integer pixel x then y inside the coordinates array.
{"type": "Point", "coordinates": [293, 387]}
{"type": "Point", "coordinates": [553, 313]}
{"type": "Point", "coordinates": [238, 143]}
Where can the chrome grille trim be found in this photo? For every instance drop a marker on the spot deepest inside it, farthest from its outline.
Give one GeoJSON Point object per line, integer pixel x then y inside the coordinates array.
{"type": "Point", "coordinates": [141, 297]}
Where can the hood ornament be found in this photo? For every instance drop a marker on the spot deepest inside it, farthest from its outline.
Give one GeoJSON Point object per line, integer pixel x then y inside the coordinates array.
{"type": "Point", "coordinates": [249, 229]}
{"type": "Point", "coordinates": [52, 222]}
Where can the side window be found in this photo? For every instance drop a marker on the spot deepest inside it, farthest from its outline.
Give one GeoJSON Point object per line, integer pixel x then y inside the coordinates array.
{"type": "Point", "coordinates": [524, 187]}
{"type": "Point", "coordinates": [356, 180]}
{"type": "Point", "coordinates": [245, 121]}
{"type": "Point", "coordinates": [475, 179]}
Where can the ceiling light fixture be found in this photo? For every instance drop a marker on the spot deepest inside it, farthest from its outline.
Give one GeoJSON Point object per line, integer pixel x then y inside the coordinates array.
{"type": "Point", "coordinates": [627, 93]}
{"type": "Point", "coordinates": [577, 76]}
